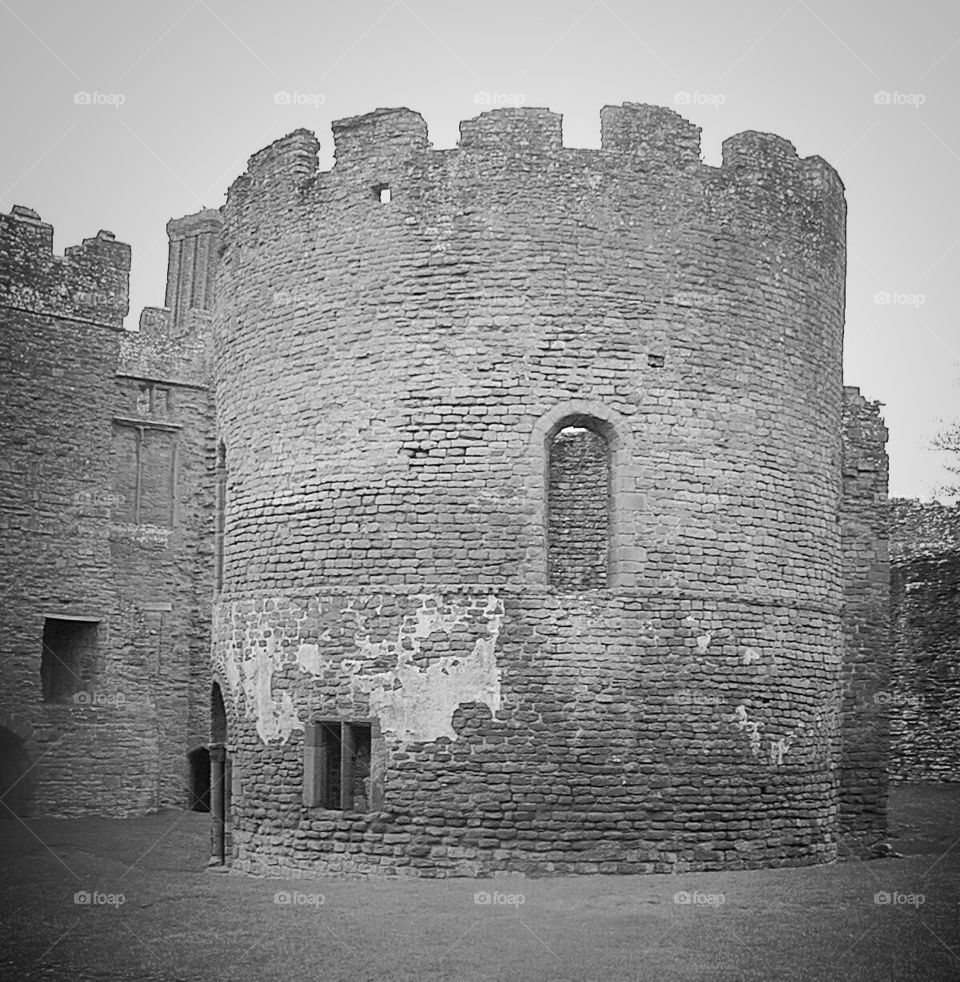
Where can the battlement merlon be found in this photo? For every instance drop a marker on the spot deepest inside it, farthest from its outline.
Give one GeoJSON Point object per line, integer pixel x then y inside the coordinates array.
{"type": "Point", "coordinates": [382, 134]}
{"type": "Point", "coordinates": [758, 155]}
{"type": "Point", "coordinates": [291, 160]}
{"type": "Point", "coordinates": [527, 129]}
{"type": "Point", "coordinates": [653, 133]}
{"type": "Point", "coordinates": [89, 282]}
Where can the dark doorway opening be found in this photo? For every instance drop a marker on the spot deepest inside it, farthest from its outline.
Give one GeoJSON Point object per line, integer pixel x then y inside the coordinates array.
{"type": "Point", "coordinates": [16, 786]}
{"type": "Point", "coordinates": [199, 760]}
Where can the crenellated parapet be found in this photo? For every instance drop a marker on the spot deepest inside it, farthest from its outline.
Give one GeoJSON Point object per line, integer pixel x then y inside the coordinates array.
{"type": "Point", "coordinates": [89, 282]}
{"type": "Point", "coordinates": [511, 183]}
{"type": "Point", "coordinates": [634, 137]}
{"type": "Point", "coordinates": [649, 156]}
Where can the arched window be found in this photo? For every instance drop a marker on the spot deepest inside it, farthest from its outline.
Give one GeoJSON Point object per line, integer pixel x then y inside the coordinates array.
{"type": "Point", "coordinates": [579, 504]}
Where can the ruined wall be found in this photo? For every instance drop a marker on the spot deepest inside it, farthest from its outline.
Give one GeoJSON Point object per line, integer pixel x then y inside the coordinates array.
{"type": "Point", "coordinates": [164, 400]}
{"type": "Point", "coordinates": [389, 374]}
{"type": "Point", "coordinates": [86, 539]}
{"type": "Point", "coordinates": [864, 523]}
{"type": "Point", "coordinates": [923, 697]}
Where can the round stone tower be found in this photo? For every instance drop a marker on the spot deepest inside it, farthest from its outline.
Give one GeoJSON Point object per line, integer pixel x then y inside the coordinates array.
{"type": "Point", "coordinates": [530, 459]}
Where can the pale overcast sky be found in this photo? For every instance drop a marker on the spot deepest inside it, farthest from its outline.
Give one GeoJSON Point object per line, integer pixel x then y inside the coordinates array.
{"type": "Point", "coordinates": [182, 92]}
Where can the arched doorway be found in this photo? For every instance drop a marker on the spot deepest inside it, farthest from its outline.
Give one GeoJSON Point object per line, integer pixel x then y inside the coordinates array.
{"type": "Point", "coordinates": [16, 783]}
{"type": "Point", "coordinates": [199, 761]}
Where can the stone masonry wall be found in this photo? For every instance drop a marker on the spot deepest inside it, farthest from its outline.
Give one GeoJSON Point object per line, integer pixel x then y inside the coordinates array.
{"type": "Point", "coordinates": [71, 547]}
{"type": "Point", "coordinates": [864, 521]}
{"type": "Point", "coordinates": [924, 692]}
{"type": "Point", "coordinates": [389, 376]}
{"type": "Point", "coordinates": [533, 732]}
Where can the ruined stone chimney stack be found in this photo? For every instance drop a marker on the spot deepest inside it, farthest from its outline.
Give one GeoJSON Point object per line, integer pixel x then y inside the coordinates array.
{"type": "Point", "coordinates": [192, 262]}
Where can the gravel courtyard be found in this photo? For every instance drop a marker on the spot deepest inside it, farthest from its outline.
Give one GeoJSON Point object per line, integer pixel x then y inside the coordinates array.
{"type": "Point", "coordinates": [102, 899]}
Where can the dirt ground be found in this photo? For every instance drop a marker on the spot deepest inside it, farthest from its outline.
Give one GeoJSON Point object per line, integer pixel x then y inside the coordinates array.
{"type": "Point", "coordinates": [100, 899]}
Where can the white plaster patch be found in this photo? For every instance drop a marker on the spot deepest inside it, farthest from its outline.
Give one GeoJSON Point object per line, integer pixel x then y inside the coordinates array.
{"type": "Point", "coordinates": [752, 727]}
{"type": "Point", "coordinates": [275, 721]}
{"type": "Point", "coordinates": [778, 748]}
{"type": "Point", "coordinates": [231, 669]}
{"type": "Point", "coordinates": [421, 707]}
{"type": "Point", "coordinates": [703, 642]}
{"type": "Point", "coordinates": [414, 703]}
{"type": "Point", "coordinates": [750, 655]}
{"type": "Point", "coordinates": [308, 658]}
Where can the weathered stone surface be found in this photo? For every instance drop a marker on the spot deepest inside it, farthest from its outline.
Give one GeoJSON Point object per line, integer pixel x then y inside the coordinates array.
{"type": "Point", "coordinates": [923, 697]}
{"type": "Point", "coordinates": [684, 689]}
{"type": "Point", "coordinates": [83, 537]}
{"type": "Point", "coordinates": [389, 375]}
{"type": "Point", "coordinates": [864, 522]}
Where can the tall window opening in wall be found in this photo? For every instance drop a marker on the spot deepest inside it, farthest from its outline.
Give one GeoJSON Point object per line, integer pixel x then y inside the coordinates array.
{"type": "Point", "coordinates": [218, 715]}
{"type": "Point", "coordinates": [579, 505]}
{"type": "Point", "coordinates": [221, 509]}
{"type": "Point", "coordinates": [199, 763]}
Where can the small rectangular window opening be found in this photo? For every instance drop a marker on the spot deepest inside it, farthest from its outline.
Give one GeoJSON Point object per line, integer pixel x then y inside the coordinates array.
{"type": "Point", "coordinates": [68, 658]}
{"type": "Point", "coordinates": [153, 400]}
{"type": "Point", "coordinates": [382, 192]}
{"type": "Point", "coordinates": [656, 361]}
{"type": "Point", "coordinates": [340, 778]}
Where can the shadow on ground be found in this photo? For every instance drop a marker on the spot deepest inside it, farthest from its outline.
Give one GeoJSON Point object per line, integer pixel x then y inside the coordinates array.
{"type": "Point", "coordinates": [100, 899]}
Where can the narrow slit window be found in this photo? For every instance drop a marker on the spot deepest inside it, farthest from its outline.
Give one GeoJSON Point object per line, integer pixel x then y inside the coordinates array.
{"type": "Point", "coordinates": [220, 519]}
